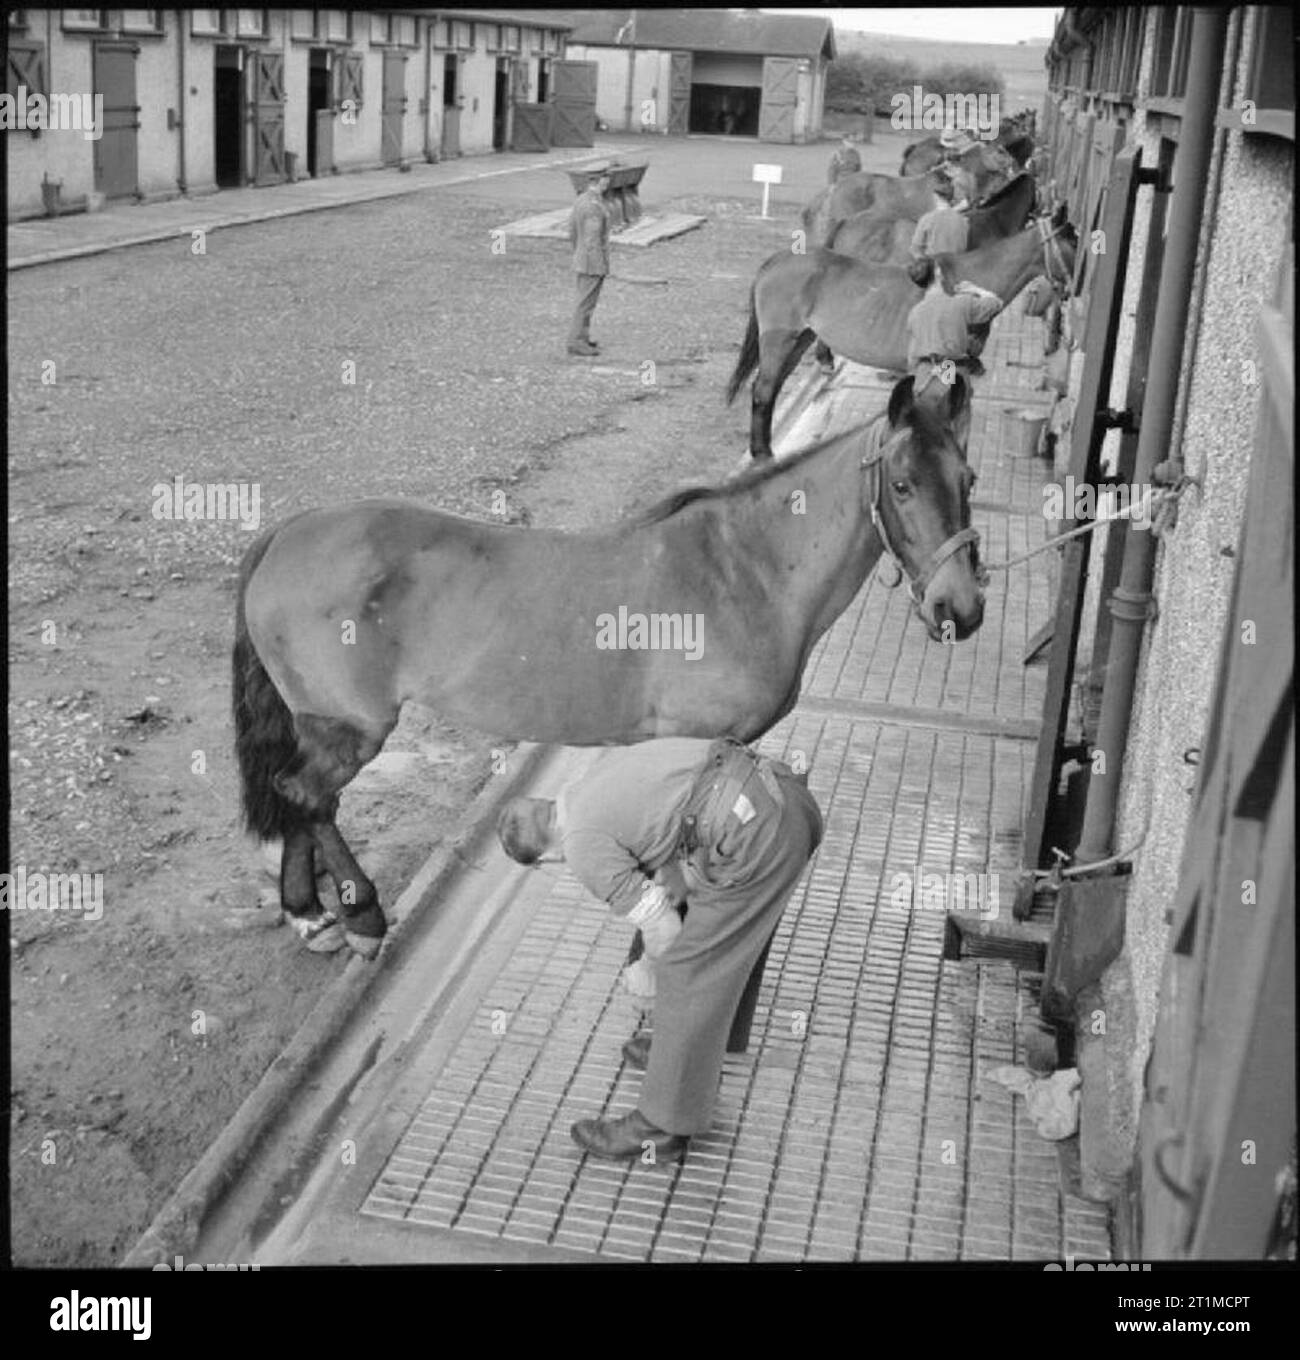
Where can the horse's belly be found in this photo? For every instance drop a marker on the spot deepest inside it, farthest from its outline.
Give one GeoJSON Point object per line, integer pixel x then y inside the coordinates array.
{"type": "Point", "coordinates": [867, 327]}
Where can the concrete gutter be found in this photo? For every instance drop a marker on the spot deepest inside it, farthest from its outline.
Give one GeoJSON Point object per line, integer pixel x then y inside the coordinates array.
{"type": "Point", "coordinates": [178, 1224]}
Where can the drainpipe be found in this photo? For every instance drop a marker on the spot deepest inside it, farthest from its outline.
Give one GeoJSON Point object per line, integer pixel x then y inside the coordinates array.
{"type": "Point", "coordinates": [181, 121]}
{"type": "Point", "coordinates": [1131, 603]}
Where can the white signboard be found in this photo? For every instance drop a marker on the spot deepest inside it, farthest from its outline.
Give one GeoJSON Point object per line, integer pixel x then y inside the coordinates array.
{"type": "Point", "coordinates": [767, 175]}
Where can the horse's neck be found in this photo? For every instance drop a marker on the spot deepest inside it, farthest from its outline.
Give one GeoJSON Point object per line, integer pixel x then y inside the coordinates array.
{"type": "Point", "coordinates": [834, 560]}
{"type": "Point", "coordinates": [1003, 267]}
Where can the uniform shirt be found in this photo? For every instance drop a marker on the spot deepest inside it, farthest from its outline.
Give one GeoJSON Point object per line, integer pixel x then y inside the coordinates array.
{"type": "Point", "coordinates": [943, 231]}
{"type": "Point", "coordinates": [940, 324]}
{"type": "Point", "coordinates": [589, 233]}
{"type": "Point", "coordinates": [623, 821]}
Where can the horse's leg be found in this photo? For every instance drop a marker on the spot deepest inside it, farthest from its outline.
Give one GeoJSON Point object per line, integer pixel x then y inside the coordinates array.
{"type": "Point", "coordinates": [317, 927]}
{"type": "Point", "coordinates": [330, 752]}
{"type": "Point", "coordinates": [774, 347]}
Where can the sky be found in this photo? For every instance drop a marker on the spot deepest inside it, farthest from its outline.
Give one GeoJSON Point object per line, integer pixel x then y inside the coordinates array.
{"type": "Point", "coordinates": [955, 25]}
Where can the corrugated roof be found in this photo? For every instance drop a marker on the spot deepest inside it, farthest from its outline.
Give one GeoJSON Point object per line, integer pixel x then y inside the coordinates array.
{"type": "Point", "coordinates": [705, 30]}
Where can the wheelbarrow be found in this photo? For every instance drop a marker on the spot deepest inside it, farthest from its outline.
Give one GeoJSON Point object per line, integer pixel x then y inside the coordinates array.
{"type": "Point", "coordinates": [624, 180]}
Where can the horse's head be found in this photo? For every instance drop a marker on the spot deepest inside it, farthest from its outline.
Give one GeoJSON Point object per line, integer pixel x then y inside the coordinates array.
{"type": "Point", "coordinates": [920, 503]}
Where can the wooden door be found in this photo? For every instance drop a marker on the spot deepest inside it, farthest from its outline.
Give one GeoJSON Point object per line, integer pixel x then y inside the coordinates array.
{"type": "Point", "coordinates": [393, 112]}
{"type": "Point", "coordinates": [268, 116]}
{"type": "Point", "coordinates": [780, 94]}
{"type": "Point", "coordinates": [1090, 426]}
{"type": "Point", "coordinates": [1218, 1121]}
{"type": "Point", "coordinates": [532, 128]}
{"type": "Point", "coordinates": [573, 96]}
{"type": "Point", "coordinates": [679, 94]}
{"type": "Point", "coordinates": [116, 152]}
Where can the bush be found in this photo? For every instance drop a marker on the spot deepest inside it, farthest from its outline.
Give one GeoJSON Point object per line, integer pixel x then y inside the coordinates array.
{"type": "Point", "coordinates": [860, 83]}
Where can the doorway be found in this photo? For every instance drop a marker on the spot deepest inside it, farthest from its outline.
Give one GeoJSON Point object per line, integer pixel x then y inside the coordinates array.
{"type": "Point", "coordinates": [115, 156]}
{"type": "Point", "coordinates": [450, 105]}
{"type": "Point", "coordinates": [228, 117]}
{"type": "Point", "coordinates": [543, 80]}
{"type": "Point", "coordinates": [501, 105]}
{"type": "Point", "coordinates": [318, 102]}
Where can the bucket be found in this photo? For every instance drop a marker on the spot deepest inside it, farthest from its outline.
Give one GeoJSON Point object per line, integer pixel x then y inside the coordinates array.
{"type": "Point", "coordinates": [1032, 424]}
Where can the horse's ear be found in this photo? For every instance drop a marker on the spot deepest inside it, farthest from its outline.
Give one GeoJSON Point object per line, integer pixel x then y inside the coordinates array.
{"type": "Point", "coordinates": [901, 401]}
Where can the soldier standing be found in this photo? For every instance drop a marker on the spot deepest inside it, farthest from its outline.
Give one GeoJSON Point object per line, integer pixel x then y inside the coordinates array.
{"type": "Point", "coordinates": [589, 236]}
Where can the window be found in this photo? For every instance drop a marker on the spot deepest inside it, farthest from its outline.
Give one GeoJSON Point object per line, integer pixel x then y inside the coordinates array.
{"type": "Point", "coordinates": [84, 19]}
{"type": "Point", "coordinates": [302, 24]}
{"type": "Point", "coordinates": [142, 21]}
{"type": "Point", "coordinates": [404, 31]}
{"type": "Point", "coordinates": [17, 20]}
{"type": "Point", "coordinates": [1270, 85]}
{"type": "Point", "coordinates": [442, 33]}
{"type": "Point", "coordinates": [1173, 47]}
{"type": "Point", "coordinates": [251, 23]}
{"type": "Point", "coordinates": [206, 23]}
{"type": "Point", "coordinates": [510, 37]}
{"type": "Point", "coordinates": [379, 27]}
{"type": "Point", "coordinates": [334, 25]}
{"type": "Point", "coordinates": [463, 35]}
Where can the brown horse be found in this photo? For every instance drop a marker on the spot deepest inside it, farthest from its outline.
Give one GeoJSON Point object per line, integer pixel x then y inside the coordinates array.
{"type": "Point", "coordinates": [695, 618]}
{"type": "Point", "coordinates": [981, 171]}
{"type": "Point", "coordinates": [888, 239]}
{"type": "Point", "coordinates": [872, 236]}
{"type": "Point", "coordinates": [860, 309]}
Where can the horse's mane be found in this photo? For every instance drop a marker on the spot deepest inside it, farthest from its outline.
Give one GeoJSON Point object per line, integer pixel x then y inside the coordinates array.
{"type": "Point", "coordinates": [736, 486]}
{"type": "Point", "coordinates": [998, 196]}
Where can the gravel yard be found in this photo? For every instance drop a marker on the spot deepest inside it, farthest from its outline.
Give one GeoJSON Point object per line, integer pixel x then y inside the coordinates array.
{"type": "Point", "coordinates": [136, 1036]}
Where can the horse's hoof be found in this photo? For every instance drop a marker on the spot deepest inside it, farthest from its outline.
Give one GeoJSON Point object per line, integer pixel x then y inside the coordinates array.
{"type": "Point", "coordinates": [320, 931]}
{"type": "Point", "coordinates": [368, 946]}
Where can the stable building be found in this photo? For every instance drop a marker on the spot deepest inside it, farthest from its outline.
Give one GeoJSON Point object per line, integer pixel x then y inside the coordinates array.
{"type": "Point", "coordinates": [678, 71]}
{"type": "Point", "coordinates": [199, 100]}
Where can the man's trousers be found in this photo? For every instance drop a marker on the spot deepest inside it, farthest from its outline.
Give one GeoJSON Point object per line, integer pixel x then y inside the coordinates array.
{"type": "Point", "coordinates": [739, 882]}
{"type": "Point", "coordinates": [589, 286]}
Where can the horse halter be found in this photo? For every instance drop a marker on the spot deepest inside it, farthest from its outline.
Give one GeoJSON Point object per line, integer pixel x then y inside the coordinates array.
{"type": "Point", "coordinates": [873, 464]}
{"type": "Point", "coordinates": [1052, 254]}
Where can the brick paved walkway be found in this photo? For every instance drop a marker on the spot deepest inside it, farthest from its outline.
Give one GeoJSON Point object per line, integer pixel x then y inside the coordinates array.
{"type": "Point", "coordinates": [860, 1125]}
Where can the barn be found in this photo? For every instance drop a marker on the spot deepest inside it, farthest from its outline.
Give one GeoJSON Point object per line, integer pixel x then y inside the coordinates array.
{"type": "Point", "coordinates": [743, 74]}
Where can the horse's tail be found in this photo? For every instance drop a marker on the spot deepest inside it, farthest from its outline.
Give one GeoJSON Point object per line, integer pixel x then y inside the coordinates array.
{"type": "Point", "coordinates": [748, 360]}
{"type": "Point", "coordinates": [265, 740]}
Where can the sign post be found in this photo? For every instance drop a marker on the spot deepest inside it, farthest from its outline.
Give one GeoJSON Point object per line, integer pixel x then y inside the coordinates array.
{"type": "Point", "coordinates": [767, 175]}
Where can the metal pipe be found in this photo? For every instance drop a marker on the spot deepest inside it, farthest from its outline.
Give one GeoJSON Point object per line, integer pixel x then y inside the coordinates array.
{"type": "Point", "coordinates": [1130, 604]}
{"type": "Point", "coordinates": [182, 122]}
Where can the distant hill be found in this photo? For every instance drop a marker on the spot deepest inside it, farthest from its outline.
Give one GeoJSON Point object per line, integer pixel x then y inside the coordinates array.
{"type": "Point", "coordinates": [1021, 64]}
